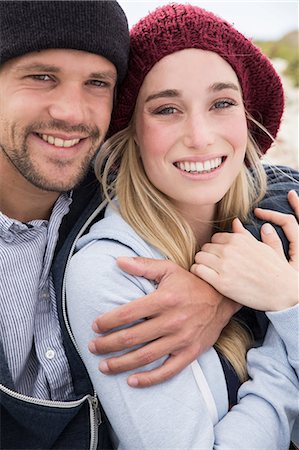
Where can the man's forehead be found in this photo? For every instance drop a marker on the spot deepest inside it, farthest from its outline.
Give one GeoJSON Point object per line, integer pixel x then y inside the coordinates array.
{"type": "Point", "coordinates": [64, 60]}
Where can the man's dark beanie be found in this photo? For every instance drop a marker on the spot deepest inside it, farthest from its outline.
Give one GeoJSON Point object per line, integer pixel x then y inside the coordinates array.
{"type": "Point", "coordinates": [98, 27]}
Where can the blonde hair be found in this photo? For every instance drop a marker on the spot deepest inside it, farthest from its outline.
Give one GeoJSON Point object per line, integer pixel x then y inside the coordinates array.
{"type": "Point", "coordinates": [152, 215]}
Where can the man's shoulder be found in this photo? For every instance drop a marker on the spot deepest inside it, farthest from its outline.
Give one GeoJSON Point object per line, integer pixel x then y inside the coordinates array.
{"type": "Point", "coordinates": [85, 199]}
{"type": "Point", "coordinates": [281, 177]}
{"type": "Point", "coordinates": [280, 180]}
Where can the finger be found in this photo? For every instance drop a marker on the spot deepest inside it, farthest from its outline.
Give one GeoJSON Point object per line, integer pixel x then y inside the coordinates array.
{"type": "Point", "coordinates": [221, 238]}
{"type": "Point", "coordinates": [141, 333]}
{"type": "Point", "coordinates": [293, 199]}
{"type": "Point", "coordinates": [270, 237]}
{"type": "Point", "coordinates": [237, 227]}
{"type": "Point", "coordinates": [211, 260]}
{"type": "Point", "coordinates": [214, 249]}
{"type": "Point", "coordinates": [278, 218]}
{"type": "Point", "coordinates": [205, 273]}
{"type": "Point", "coordinates": [286, 221]}
{"type": "Point", "coordinates": [133, 311]}
{"type": "Point", "coordinates": [172, 366]}
{"type": "Point", "coordinates": [137, 358]}
{"type": "Point", "coordinates": [152, 269]}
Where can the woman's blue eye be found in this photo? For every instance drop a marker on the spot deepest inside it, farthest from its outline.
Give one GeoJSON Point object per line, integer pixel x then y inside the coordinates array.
{"type": "Point", "coordinates": [222, 104]}
{"type": "Point", "coordinates": [167, 110]}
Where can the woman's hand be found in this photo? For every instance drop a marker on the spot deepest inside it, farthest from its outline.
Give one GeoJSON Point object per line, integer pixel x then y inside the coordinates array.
{"type": "Point", "coordinates": [253, 273]}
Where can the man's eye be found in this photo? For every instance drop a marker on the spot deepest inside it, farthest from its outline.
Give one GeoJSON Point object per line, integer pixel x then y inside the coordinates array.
{"type": "Point", "coordinates": [167, 110]}
{"type": "Point", "coordinates": [223, 104]}
{"type": "Point", "coordinates": [98, 83]}
{"type": "Point", "coordinates": [42, 77]}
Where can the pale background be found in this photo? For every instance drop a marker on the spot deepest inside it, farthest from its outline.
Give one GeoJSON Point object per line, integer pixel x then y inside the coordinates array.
{"type": "Point", "coordinates": [258, 20]}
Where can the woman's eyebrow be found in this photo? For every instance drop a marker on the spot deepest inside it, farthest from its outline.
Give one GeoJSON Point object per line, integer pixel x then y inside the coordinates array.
{"type": "Point", "coordinates": [163, 94]}
{"type": "Point", "coordinates": [215, 87]}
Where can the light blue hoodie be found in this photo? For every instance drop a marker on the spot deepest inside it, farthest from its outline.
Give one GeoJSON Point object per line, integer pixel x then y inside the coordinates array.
{"type": "Point", "coordinates": [189, 411]}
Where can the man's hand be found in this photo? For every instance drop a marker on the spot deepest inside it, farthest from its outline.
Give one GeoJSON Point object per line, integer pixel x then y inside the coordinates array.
{"type": "Point", "coordinates": [185, 316]}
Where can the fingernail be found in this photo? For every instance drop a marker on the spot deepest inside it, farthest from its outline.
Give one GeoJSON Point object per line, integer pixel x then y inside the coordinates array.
{"type": "Point", "coordinates": [104, 367]}
{"type": "Point", "coordinates": [133, 381]}
{"type": "Point", "coordinates": [92, 347]}
{"type": "Point", "coordinates": [95, 327]}
{"type": "Point", "coordinates": [267, 228]}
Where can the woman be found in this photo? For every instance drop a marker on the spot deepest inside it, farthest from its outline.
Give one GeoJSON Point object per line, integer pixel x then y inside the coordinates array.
{"type": "Point", "coordinates": [184, 163]}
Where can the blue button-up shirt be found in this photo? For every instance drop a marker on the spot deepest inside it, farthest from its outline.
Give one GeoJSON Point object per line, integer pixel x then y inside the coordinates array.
{"type": "Point", "coordinates": [29, 326]}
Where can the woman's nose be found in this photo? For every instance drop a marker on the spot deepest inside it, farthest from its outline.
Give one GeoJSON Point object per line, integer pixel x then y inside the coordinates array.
{"type": "Point", "coordinates": [198, 133]}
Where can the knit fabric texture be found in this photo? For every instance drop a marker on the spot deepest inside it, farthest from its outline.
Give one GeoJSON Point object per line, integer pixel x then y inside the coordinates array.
{"type": "Point", "coordinates": [98, 27]}
{"type": "Point", "coordinates": [175, 27]}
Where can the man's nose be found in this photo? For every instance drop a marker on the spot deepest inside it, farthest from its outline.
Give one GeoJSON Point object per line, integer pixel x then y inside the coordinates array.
{"type": "Point", "coordinates": [68, 105]}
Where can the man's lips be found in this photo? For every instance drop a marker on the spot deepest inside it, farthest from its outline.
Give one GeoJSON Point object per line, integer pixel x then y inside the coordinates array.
{"type": "Point", "coordinates": [59, 141]}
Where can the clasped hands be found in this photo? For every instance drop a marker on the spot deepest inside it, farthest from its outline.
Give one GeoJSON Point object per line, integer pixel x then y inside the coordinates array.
{"type": "Point", "coordinates": [254, 273]}
{"type": "Point", "coordinates": [188, 311]}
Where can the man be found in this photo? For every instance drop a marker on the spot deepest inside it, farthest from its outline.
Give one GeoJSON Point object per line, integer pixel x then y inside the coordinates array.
{"type": "Point", "coordinates": [60, 64]}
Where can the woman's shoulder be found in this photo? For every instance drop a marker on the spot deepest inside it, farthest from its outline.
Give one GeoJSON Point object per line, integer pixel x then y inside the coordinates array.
{"type": "Point", "coordinates": [93, 265]}
{"type": "Point", "coordinates": [114, 232]}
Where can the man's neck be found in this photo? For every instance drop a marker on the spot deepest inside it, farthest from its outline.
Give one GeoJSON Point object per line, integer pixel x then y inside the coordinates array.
{"type": "Point", "coordinates": [21, 200]}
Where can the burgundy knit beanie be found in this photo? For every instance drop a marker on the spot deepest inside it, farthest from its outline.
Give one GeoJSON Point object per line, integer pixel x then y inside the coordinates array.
{"type": "Point", "coordinates": [176, 27]}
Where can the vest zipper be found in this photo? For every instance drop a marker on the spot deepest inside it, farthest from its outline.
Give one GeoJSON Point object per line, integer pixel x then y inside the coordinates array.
{"type": "Point", "coordinates": [95, 421]}
{"type": "Point", "coordinates": [42, 402]}
{"type": "Point", "coordinates": [95, 414]}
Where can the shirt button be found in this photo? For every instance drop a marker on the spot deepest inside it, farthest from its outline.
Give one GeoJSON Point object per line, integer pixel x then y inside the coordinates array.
{"type": "Point", "coordinates": [44, 295]}
{"type": "Point", "coordinates": [50, 354]}
{"type": "Point", "coordinates": [8, 237]}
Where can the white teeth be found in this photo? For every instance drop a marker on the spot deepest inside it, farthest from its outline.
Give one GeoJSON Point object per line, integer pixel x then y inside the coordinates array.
{"type": "Point", "coordinates": [199, 167]}
{"type": "Point", "coordinates": [206, 166]}
{"type": "Point", "coordinates": [57, 142]}
{"type": "Point", "coordinates": [192, 167]}
{"type": "Point", "coordinates": [187, 167]}
{"type": "Point", "coordinates": [51, 139]}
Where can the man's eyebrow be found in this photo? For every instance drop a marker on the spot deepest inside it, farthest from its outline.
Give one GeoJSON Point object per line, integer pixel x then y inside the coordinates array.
{"type": "Point", "coordinates": [37, 67]}
{"type": "Point", "coordinates": [163, 94]}
{"type": "Point", "coordinates": [216, 87]}
{"type": "Point", "coordinates": [48, 68]}
{"type": "Point", "coordinates": [104, 75]}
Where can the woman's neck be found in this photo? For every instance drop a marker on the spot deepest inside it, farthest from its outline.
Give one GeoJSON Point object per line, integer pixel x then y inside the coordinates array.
{"type": "Point", "coordinates": [201, 220]}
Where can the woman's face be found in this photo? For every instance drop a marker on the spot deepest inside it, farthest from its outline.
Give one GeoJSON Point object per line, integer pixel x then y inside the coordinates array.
{"type": "Point", "coordinates": [191, 128]}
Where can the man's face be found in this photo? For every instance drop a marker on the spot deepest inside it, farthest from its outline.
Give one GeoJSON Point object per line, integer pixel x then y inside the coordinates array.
{"type": "Point", "coordinates": [55, 108]}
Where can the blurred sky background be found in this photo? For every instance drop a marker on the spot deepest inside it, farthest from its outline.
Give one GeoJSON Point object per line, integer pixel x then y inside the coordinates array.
{"type": "Point", "coordinates": [262, 20]}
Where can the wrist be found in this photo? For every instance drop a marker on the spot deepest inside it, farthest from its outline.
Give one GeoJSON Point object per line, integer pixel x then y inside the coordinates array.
{"type": "Point", "coordinates": [286, 304]}
{"type": "Point", "coordinates": [290, 296]}
{"type": "Point", "coordinates": [229, 308]}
